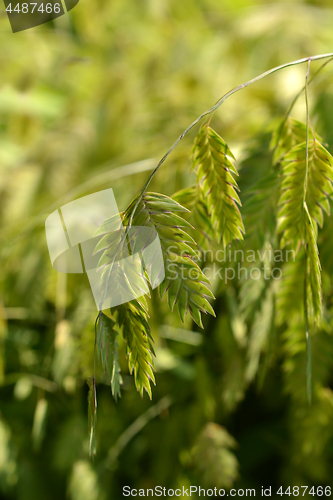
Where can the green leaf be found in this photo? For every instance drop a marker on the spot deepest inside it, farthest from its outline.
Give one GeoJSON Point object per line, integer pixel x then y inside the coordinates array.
{"type": "Point", "coordinates": [107, 350]}
{"type": "Point", "coordinates": [195, 313]}
{"type": "Point", "coordinates": [92, 416]}
{"type": "Point", "coordinates": [170, 219]}
{"type": "Point", "coordinates": [202, 304]}
{"type": "Point", "coordinates": [259, 335]}
{"type": "Point", "coordinates": [38, 429]}
{"type": "Point", "coordinates": [109, 225]}
{"type": "Point", "coordinates": [116, 379]}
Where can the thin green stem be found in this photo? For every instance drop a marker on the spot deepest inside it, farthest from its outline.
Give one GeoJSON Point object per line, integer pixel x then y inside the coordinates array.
{"type": "Point", "coordinates": [306, 312]}
{"type": "Point", "coordinates": [133, 430]}
{"type": "Point", "coordinates": [98, 319]}
{"type": "Point", "coordinates": [213, 108]}
{"type": "Point", "coordinates": [307, 134]}
{"type": "Point", "coordinates": [293, 102]}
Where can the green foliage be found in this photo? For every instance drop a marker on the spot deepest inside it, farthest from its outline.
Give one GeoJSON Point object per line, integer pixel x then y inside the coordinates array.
{"type": "Point", "coordinates": [213, 457]}
{"type": "Point", "coordinates": [259, 335]}
{"type": "Point", "coordinates": [184, 285]}
{"type": "Point", "coordinates": [38, 428]}
{"type": "Point", "coordinates": [311, 437]}
{"type": "Point", "coordinates": [84, 483]}
{"type": "Point", "coordinates": [310, 183]}
{"type": "Point", "coordinates": [288, 299]}
{"type": "Point", "coordinates": [85, 109]}
{"type": "Point", "coordinates": [184, 282]}
{"type": "Point", "coordinates": [193, 199]}
{"type": "Point", "coordinates": [92, 415]}
{"type": "Point", "coordinates": [107, 349]}
{"type": "Point", "coordinates": [261, 204]}
{"type": "Point", "coordinates": [286, 136]}
{"type": "Point", "coordinates": [305, 189]}
{"type": "Point", "coordinates": [8, 464]}
{"type": "Point", "coordinates": [133, 317]}
{"type": "Point", "coordinates": [215, 178]}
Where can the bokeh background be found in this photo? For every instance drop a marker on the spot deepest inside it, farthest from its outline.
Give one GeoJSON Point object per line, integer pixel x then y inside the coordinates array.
{"type": "Point", "coordinates": [93, 100]}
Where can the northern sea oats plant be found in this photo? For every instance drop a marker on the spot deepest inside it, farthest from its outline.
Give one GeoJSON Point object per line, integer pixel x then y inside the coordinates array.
{"type": "Point", "coordinates": [285, 210]}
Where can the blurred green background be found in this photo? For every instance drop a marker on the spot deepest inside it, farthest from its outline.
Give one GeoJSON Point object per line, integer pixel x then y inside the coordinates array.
{"type": "Point", "coordinates": [92, 101]}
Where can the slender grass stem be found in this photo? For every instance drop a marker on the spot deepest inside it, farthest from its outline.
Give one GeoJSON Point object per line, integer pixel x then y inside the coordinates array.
{"type": "Point", "coordinates": [306, 312]}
